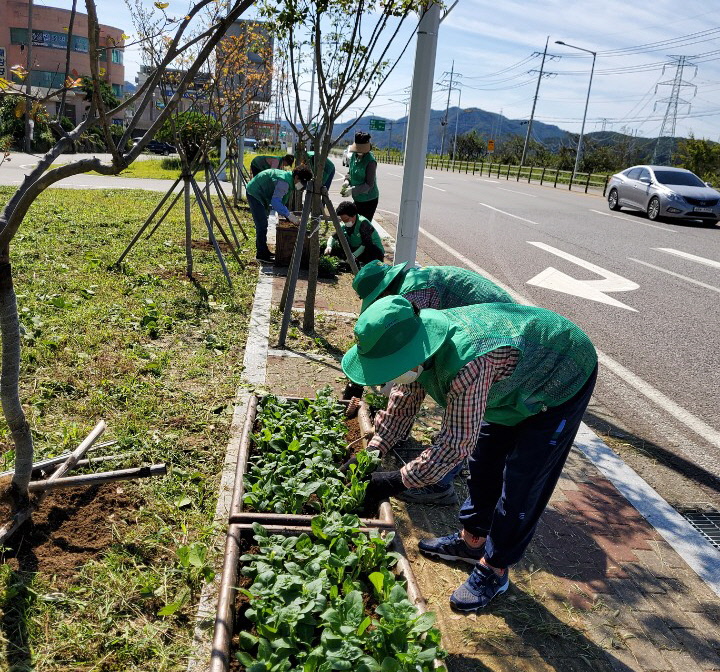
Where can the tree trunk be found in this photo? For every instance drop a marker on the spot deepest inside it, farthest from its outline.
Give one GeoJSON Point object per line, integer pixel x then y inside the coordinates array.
{"type": "Point", "coordinates": [9, 380]}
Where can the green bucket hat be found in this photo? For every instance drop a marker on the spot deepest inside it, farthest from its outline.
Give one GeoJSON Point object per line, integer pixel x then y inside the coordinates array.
{"type": "Point", "coordinates": [373, 279]}
{"type": "Point", "coordinates": [392, 339]}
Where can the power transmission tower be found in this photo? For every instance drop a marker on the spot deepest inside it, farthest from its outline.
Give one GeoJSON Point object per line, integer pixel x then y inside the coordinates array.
{"type": "Point", "coordinates": [667, 130]}
{"type": "Point", "coordinates": [450, 87]}
{"type": "Point", "coordinates": [541, 74]}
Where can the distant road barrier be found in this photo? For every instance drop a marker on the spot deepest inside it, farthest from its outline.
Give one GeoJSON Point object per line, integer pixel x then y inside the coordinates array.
{"type": "Point", "coordinates": [541, 174]}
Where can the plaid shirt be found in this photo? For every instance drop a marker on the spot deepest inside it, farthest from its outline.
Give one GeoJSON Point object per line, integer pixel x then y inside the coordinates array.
{"type": "Point", "coordinates": [466, 400]}
{"type": "Point", "coordinates": [424, 298]}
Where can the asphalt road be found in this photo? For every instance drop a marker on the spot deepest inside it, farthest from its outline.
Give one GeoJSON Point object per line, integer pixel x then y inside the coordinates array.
{"type": "Point", "coordinates": [647, 293]}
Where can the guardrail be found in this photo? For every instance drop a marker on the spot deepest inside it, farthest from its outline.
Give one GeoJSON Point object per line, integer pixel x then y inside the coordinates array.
{"type": "Point", "coordinates": [541, 174]}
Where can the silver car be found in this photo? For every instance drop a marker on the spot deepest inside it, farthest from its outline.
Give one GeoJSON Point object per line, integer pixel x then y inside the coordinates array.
{"type": "Point", "coordinates": [660, 191]}
{"type": "Point", "coordinates": [347, 152]}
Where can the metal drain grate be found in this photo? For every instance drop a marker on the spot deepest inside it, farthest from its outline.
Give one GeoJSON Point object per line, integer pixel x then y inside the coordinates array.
{"type": "Point", "coordinates": [705, 520]}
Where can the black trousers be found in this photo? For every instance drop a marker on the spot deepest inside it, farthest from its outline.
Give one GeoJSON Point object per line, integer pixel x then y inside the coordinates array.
{"type": "Point", "coordinates": [513, 472]}
{"type": "Point", "coordinates": [367, 208]}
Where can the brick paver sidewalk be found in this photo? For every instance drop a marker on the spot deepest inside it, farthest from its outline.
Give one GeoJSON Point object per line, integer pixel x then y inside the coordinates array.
{"type": "Point", "coordinates": [597, 590]}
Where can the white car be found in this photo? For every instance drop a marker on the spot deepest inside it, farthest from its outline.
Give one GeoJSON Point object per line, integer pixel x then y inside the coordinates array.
{"type": "Point", "coordinates": [346, 156]}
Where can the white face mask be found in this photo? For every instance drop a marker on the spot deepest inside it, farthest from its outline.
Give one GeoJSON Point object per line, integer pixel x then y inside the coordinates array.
{"type": "Point", "coordinates": [408, 377]}
{"type": "Point", "coordinates": [299, 185]}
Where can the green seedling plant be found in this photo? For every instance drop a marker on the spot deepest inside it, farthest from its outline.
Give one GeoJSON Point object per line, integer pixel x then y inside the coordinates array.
{"type": "Point", "coordinates": [328, 601]}
{"type": "Point", "coordinates": [299, 448]}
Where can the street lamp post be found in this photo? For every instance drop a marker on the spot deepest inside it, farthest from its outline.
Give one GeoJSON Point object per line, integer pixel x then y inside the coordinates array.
{"type": "Point", "coordinates": [587, 100]}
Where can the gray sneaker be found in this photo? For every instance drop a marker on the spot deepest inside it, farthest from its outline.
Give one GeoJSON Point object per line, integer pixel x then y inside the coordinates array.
{"type": "Point", "coordinates": [440, 495]}
{"type": "Point", "coordinates": [451, 547]}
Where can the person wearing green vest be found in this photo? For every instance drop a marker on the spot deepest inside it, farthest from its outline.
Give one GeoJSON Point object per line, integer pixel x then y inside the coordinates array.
{"type": "Point", "coordinates": [528, 372]}
{"type": "Point", "coordinates": [361, 180]}
{"type": "Point", "coordinates": [328, 169]}
{"type": "Point", "coordinates": [364, 240]}
{"type": "Point", "coordinates": [263, 162]}
{"type": "Point", "coordinates": [438, 287]}
{"type": "Point", "coordinates": [270, 190]}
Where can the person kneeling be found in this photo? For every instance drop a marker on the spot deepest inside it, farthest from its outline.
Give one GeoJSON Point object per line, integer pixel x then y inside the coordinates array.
{"type": "Point", "coordinates": [364, 240]}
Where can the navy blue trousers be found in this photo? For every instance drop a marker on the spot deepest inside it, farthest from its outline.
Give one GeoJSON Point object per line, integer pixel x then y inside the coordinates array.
{"type": "Point", "coordinates": [260, 217]}
{"type": "Point", "coordinates": [513, 472]}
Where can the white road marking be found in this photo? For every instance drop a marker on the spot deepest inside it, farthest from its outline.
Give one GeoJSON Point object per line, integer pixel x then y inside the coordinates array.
{"type": "Point", "coordinates": [395, 175]}
{"type": "Point", "coordinates": [429, 186]}
{"type": "Point", "coordinates": [509, 214]}
{"type": "Point", "coordinates": [390, 212]}
{"type": "Point", "coordinates": [634, 221]}
{"type": "Point", "coordinates": [594, 290]}
{"type": "Point", "coordinates": [686, 255]}
{"type": "Point", "coordinates": [514, 191]}
{"type": "Point", "coordinates": [482, 179]}
{"type": "Point", "coordinates": [686, 418]}
{"type": "Point", "coordinates": [677, 275]}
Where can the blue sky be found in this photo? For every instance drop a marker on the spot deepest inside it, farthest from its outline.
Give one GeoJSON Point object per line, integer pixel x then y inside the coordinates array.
{"type": "Point", "coordinates": [484, 38]}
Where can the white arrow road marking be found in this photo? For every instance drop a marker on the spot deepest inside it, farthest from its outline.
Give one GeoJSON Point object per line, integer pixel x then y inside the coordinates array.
{"type": "Point", "coordinates": [692, 257]}
{"type": "Point", "coordinates": [634, 221]}
{"type": "Point", "coordinates": [677, 275]}
{"type": "Point", "coordinates": [691, 421]}
{"type": "Point", "coordinates": [515, 191]}
{"type": "Point", "coordinates": [594, 290]}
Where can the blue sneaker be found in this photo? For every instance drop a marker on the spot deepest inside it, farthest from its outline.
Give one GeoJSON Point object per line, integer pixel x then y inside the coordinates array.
{"type": "Point", "coordinates": [440, 495]}
{"type": "Point", "coordinates": [452, 547]}
{"type": "Point", "coordinates": [481, 586]}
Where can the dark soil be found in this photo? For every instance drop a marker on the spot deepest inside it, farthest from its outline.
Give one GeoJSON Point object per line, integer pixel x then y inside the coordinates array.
{"type": "Point", "coordinates": [207, 245]}
{"type": "Point", "coordinates": [71, 527]}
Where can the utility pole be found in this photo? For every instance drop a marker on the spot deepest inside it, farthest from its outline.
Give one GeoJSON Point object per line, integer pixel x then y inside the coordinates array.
{"type": "Point", "coordinates": [532, 114]}
{"type": "Point", "coordinates": [444, 121]}
{"type": "Point", "coordinates": [457, 116]}
{"type": "Point", "coordinates": [28, 121]}
{"type": "Point", "coordinates": [673, 101]}
{"type": "Point", "coordinates": [417, 134]}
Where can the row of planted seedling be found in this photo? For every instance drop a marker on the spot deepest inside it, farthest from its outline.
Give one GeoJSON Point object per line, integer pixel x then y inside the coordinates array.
{"type": "Point", "coordinates": [334, 595]}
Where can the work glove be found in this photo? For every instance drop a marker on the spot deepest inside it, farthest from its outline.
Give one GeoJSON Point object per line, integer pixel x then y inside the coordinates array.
{"type": "Point", "coordinates": [293, 218]}
{"type": "Point", "coordinates": [344, 468]}
{"type": "Point", "coordinates": [383, 484]}
{"type": "Point", "coordinates": [344, 189]}
{"type": "Point", "coordinates": [328, 249]}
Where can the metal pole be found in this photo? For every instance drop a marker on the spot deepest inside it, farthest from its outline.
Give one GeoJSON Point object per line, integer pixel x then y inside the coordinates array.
{"type": "Point", "coordinates": [456, 126]}
{"type": "Point", "coordinates": [582, 129]}
{"type": "Point", "coordinates": [447, 108]}
{"type": "Point", "coordinates": [28, 121]}
{"type": "Point", "coordinates": [417, 134]}
{"type": "Point", "coordinates": [532, 114]}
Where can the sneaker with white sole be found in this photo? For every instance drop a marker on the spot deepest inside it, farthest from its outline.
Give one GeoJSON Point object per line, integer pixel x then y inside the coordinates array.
{"type": "Point", "coordinates": [481, 586]}
{"type": "Point", "coordinates": [440, 495]}
{"type": "Point", "coordinates": [451, 547]}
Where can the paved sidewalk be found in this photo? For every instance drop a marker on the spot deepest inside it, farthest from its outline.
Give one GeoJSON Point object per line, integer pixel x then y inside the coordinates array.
{"type": "Point", "coordinates": [598, 589]}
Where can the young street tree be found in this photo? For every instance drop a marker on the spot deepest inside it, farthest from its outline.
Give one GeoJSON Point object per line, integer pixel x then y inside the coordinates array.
{"type": "Point", "coordinates": [350, 47]}
{"type": "Point", "coordinates": [199, 29]}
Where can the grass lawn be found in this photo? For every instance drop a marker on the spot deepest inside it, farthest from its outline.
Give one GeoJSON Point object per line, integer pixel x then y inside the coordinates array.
{"type": "Point", "coordinates": [159, 359]}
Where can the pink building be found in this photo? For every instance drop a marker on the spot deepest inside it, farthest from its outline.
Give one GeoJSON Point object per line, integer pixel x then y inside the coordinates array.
{"type": "Point", "coordinates": [49, 44]}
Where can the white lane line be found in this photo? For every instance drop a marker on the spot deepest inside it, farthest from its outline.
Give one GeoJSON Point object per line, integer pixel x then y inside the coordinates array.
{"type": "Point", "coordinates": [692, 422]}
{"type": "Point", "coordinates": [686, 255]}
{"type": "Point", "coordinates": [509, 214]}
{"type": "Point", "coordinates": [514, 191]}
{"type": "Point", "coordinates": [690, 545]}
{"type": "Point", "coordinates": [429, 186]}
{"type": "Point", "coordinates": [390, 212]}
{"type": "Point", "coordinates": [634, 221]}
{"type": "Point", "coordinates": [395, 175]}
{"type": "Point", "coordinates": [677, 275]}
{"type": "Point", "coordinates": [482, 179]}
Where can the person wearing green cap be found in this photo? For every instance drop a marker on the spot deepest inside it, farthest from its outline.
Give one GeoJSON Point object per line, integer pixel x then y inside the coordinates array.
{"type": "Point", "coordinates": [364, 240]}
{"type": "Point", "coordinates": [438, 287]}
{"type": "Point", "coordinates": [265, 162]}
{"type": "Point", "coordinates": [527, 372]}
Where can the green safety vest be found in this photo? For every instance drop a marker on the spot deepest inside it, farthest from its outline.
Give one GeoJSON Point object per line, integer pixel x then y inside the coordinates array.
{"type": "Point", "coordinates": [353, 235]}
{"type": "Point", "coordinates": [556, 358]}
{"type": "Point", "coordinates": [328, 168]}
{"type": "Point", "coordinates": [262, 163]}
{"type": "Point", "coordinates": [262, 186]}
{"type": "Point", "coordinates": [456, 287]}
{"type": "Point", "coordinates": [357, 176]}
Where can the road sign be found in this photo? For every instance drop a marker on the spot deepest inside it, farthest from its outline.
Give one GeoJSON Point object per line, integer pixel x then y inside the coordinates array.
{"type": "Point", "coordinates": [377, 124]}
{"type": "Point", "coordinates": [491, 145]}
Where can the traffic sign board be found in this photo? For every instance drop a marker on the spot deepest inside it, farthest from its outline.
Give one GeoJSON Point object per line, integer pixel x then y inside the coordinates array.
{"type": "Point", "coordinates": [491, 145]}
{"type": "Point", "coordinates": [377, 124]}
